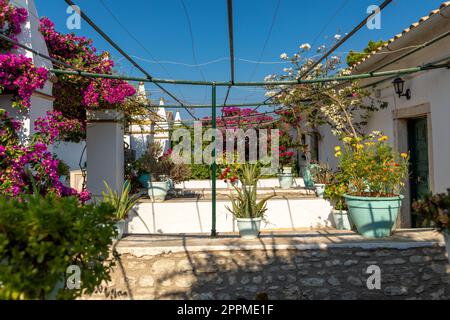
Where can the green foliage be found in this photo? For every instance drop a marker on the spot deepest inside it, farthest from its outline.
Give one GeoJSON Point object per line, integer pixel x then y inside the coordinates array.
{"type": "Point", "coordinates": [371, 167]}
{"type": "Point", "coordinates": [435, 209]}
{"type": "Point", "coordinates": [356, 57]}
{"type": "Point", "coordinates": [249, 174]}
{"type": "Point", "coordinates": [152, 162]}
{"type": "Point", "coordinates": [123, 203]}
{"type": "Point", "coordinates": [321, 173]}
{"type": "Point", "coordinates": [245, 205]}
{"type": "Point", "coordinates": [63, 169]}
{"type": "Point", "coordinates": [335, 191]}
{"type": "Point", "coordinates": [40, 237]}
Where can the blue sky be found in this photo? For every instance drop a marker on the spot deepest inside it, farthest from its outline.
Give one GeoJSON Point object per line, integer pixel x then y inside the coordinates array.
{"type": "Point", "coordinates": [161, 26]}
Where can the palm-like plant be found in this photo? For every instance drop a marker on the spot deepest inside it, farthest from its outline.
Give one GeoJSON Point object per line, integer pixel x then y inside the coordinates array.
{"type": "Point", "coordinates": [123, 203]}
{"type": "Point", "coordinates": [245, 205]}
{"type": "Point", "coordinates": [249, 174]}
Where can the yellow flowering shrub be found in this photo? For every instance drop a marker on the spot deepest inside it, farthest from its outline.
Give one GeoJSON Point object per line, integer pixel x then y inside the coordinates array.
{"type": "Point", "coordinates": [371, 167]}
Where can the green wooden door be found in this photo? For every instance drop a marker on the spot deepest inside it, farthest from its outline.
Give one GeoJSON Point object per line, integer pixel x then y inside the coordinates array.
{"type": "Point", "coordinates": [419, 165]}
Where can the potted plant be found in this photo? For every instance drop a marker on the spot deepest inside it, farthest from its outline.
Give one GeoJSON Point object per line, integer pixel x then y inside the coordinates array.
{"type": "Point", "coordinates": [435, 209]}
{"type": "Point", "coordinates": [375, 175]}
{"type": "Point", "coordinates": [285, 176]}
{"type": "Point", "coordinates": [158, 168]}
{"type": "Point", "coordinates": [247, 211]}
{"type": "Point", "coordinates": [321, 175]}
{"type": "Point", "coordinates": [230, 176]}
{"type": "Point", "coordinates": [179, 172]}
{"type": "Point", "coordinates": [249, 174]}
{"type": "Point", "coordinates": [335, 192]}
{"type": "Point", "coordinates": [122, 203]}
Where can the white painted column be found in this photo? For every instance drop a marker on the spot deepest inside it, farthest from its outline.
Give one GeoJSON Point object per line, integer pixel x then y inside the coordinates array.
{"type": "Point", "coordinates": [105, 150]}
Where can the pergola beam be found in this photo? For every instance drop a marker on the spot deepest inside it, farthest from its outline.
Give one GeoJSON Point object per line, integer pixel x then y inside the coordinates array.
{"type": "Point", "coordinates": [398, 72]}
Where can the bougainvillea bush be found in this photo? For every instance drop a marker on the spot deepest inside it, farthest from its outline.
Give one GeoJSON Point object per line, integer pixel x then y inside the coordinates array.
{"type": "Point", "coordinates": [27, 167]}
{"type": "Point", "coordinates": [11, 19]}
{"type": "Point", "coordinates": [74, 94]}
{"type": "Point", "coordinates": [20, 78]}
{"type": "Point", "coordinates": [18, 75]}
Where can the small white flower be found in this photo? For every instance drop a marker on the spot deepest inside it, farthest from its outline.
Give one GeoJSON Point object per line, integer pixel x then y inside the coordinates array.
{"type": "Point", "coordinates": [322, 47]}
{"type": "Point", "coordinates": [284, 56]}
{"type": "Point", "coordinates": [337, 36]}
{"type": "Point", "coordinates": [305, 46]}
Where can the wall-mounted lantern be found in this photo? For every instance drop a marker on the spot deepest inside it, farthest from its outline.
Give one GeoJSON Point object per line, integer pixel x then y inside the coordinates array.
{"type": "Point", "coordinates": [399, 86]}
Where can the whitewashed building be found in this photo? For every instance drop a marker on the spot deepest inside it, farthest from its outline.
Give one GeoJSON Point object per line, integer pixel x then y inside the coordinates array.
{"type": "Point", "coordinates": [41, 99]}
{"type": "Point", "coordinates": [421, 123]}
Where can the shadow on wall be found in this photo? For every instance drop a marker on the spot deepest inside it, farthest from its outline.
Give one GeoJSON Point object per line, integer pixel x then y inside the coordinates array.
{"type": "Point", "coordinates": [266, 273]}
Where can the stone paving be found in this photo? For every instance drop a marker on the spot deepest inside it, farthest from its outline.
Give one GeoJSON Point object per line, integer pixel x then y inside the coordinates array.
{"type": "Point", "coordinates": [322, 264]}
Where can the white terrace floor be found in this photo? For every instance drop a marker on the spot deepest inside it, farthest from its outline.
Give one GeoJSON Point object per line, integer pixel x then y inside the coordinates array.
{"type": "Point", "coordinates": [148, 245]}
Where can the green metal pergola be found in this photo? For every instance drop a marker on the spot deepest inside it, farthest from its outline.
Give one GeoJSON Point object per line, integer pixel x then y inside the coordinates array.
{"type": "Point", "coordinates": [71, 70]}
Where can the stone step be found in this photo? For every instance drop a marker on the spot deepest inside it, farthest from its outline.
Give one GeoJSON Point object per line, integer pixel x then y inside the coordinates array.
{"type": "Point", "coordinates": [225, 193]}
{"type": "Point", "coordinates": [194, 215]}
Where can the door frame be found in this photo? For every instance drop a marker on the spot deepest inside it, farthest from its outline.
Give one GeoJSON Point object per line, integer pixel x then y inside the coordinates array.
{"type": "Point", "coordinates": [401, 117]}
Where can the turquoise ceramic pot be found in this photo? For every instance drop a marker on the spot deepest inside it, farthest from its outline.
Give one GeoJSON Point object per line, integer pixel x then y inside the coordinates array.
{"type": "Point", "coordinates": [157, 191]}
{"type": "Point", "coordinates": [341, 220]}
{"type": "Point", "coordinates": [307, 177]}
{"type": "Point", "coordinates": [144, 179]}
{"type": "Point", "coordinates": [374, 217]}
{"type": "Point", "coordinates": [249, 228]}
{"type": "Point", "coordinates": [286, 180]}
{"type": "Point", "coordinates": [320, 190]}
{"type": "Point", "coordinates": [120, 227]}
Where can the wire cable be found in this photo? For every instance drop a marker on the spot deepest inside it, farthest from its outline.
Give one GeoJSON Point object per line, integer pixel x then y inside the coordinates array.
{"type": "Point", "coordinates": [123, 53]}
{"type": "Point", "coordinates": [191, 35]}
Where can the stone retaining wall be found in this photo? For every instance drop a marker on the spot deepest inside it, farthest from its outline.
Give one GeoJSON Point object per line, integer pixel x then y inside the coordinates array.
{"type": "Point", "coordinates": [333, 273]}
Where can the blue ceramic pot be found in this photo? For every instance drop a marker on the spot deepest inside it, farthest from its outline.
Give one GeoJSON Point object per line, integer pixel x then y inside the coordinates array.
{"type": "Point", "coordinates": [307, 177]}
{"type": "Point", "coordinates": [144, 179]}
{"type": "Point", "coordinates": [249, 228]}
{"type": "Point", "coordinates": [157, 191]}
{"type": "Point", "coordinates": [286, 180]}
{"type": "Point", "coordinates": [374, 217]}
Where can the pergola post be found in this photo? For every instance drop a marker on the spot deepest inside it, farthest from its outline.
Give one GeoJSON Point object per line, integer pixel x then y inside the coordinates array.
{"type": "Point", "coordinates": [214, 165]}
{"type": "Point", "coordinates": [105, 151]}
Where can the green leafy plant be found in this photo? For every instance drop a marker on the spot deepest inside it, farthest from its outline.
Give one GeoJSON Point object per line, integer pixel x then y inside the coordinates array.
{"type": "Point", "coordinates": [245, 205]}
{"type": "Point", "coordinates": [122, 203]}
{"type": "Point", "coordinates": [63, 169]}
{"type": "Point", "coordinates": [435, 209]}
{"type": "Point", "coordinates": [249, 174]}
{"type": "Point", "coordinates": [371, 167]}
{"type": "Point", "coordinates": [40, 237]}
{"type": "Point", "coordinates": [154, 163]}
{"type": "Point", "coordinates": [321, 173]}
{"type": "Point", "coordinates": [356, 57]}
{"type": "Point", "coordinates": [180, 172]}
{"type": "Point", "coordinates": [335, 191]}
